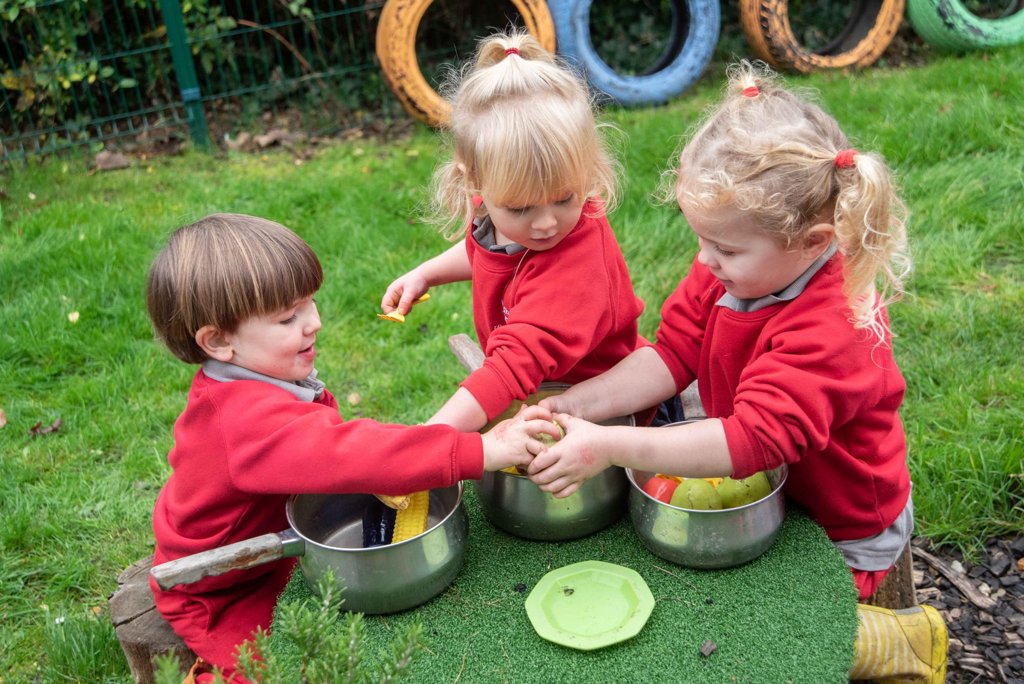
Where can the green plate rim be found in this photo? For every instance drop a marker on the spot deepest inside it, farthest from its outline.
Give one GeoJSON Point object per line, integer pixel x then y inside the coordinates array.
{"type": "Point", "coordinates": [626, 629]}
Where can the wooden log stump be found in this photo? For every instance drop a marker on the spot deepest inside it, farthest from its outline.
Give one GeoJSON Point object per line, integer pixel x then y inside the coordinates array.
{"type": "Point", "coordinates": [467, 351]}
{"type": "Point", "coordinates": [897, 589]}
{"type": "Point", "coordinates": [693, 409]}
{"type": "Point", "coordinates": [141, 631]}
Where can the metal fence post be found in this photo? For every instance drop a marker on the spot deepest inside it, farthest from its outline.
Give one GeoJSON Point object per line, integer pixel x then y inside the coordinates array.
{"type": "Point", "coordinates": [185, 70]}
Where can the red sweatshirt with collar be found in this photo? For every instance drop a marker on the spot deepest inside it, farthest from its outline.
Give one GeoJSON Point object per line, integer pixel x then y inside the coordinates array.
{"type": "Point", "coordinates": [796, 383]}
{"type": "Point", "coordinates": [240, 449]}
{"type": "Point", "coordinates": [561, 315]}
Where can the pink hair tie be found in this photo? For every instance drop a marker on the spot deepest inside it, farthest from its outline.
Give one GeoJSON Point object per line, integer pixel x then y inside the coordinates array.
{"type": "Point", "coordinates": [512, 51]}
{"type": "Point", "coordinates": [751, 91]}
{"type": "Point", "coordinates": [844, 159]}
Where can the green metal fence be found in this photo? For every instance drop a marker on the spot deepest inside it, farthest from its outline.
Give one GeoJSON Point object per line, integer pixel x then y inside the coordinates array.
{"type": "Point", "coordinates": [81, 73]}
{"type": "Point", "coordinates": [132, 74]}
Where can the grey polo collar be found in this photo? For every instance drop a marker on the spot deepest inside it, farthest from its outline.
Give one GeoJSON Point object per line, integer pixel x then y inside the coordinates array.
{"type": "Point", "coordinates": [483, 233]}
{"type": "Point", "coordinates": [790, 292]}
{"type": "Point", "coordinates": [304, 390]}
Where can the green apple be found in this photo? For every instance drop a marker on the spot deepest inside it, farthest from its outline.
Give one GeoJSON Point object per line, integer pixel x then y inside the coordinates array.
{"type": "Point", "coordinates": [737, 493]}
{"type": "Point", "coordinates": [697, 495]}
{"type": "Point", "coordinates": [547, 439]}
{"type": "Point", "coordinates": [759, 485]}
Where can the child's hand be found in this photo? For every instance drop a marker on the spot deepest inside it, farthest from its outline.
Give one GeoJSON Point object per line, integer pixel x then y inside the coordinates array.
{"type": "Point", "coordinates": [564, 403]}
{"type": "Point", "coordinates": [403, 293]}
{"type": "Point", "coordinates": [580, 455]}
{"type": "Point", "coordinates": [514, 442]}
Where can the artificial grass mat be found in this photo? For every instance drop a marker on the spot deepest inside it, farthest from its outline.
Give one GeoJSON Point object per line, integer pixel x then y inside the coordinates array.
{"type": "Point", "coordinates": [787, 616]}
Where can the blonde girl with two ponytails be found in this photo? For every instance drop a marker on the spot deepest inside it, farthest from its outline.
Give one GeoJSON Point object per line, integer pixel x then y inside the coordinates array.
{"type": "Point", "coordinates": [782, 322]}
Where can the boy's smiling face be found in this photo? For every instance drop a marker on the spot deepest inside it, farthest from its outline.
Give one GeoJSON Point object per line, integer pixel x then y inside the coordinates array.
{"type": "Point", "coordinates": [279, 344]}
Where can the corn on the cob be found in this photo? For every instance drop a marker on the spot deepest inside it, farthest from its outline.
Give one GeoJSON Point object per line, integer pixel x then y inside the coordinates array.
{"type": "Point", "coordinates": [399, 503]}
{"type": "Point", "coordinates": [412, 520]}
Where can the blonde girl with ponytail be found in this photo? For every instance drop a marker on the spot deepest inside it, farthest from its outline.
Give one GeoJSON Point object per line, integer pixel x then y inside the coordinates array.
{"type": "Point", "coordinates": [525, 193]}
{"type": "Point", "coordinates": [782, 322]}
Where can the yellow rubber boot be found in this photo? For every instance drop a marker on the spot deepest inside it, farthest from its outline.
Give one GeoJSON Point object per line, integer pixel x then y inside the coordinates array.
{"type": "Point", "coordinates": [900, 646]}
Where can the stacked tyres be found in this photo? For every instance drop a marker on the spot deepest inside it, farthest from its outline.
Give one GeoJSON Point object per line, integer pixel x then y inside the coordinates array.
{"type": "Point", "coordinates": [396, 51]}
{"type": "Point", "coordinates": [695, 27]}
{"type": "Point", "coordinates": [865, 37]}
{"type": "Point", "coordinates": [948, 25]}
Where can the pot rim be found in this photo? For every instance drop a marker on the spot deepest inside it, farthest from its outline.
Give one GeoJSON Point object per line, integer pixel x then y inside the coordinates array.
{"type": "Point", "coordinates": [776, 491]}
{"type": "Point", "coordinates": [289, 507]}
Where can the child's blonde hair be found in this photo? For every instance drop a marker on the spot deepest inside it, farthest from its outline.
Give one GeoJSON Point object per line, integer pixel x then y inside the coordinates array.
{"type": "Point", "coordinates": [523, 128]}
{"type": "Point", "coordinates": [220, 271]}
{"type": "Point", "coordinates": [775, 155]}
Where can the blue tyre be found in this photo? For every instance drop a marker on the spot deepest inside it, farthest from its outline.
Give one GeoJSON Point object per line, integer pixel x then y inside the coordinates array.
{"type": "Point", "coordinates": [695, 27]}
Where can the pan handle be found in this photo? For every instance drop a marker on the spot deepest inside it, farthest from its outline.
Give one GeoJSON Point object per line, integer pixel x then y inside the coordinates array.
{"type": "Point", "coordinates": [238, 556]}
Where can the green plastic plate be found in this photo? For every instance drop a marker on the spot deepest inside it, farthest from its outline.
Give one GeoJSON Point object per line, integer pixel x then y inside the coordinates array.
{"type": "Point", "coordinates": [589, 605]}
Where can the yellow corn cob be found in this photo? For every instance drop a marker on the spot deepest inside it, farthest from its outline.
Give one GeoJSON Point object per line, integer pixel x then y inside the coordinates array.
{"type": "Point", "coordinates": [399, 503]}
{"type": "Point", "coordinates": [412, 520]}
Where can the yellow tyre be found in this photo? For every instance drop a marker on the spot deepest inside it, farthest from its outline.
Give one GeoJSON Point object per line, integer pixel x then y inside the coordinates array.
{"type": "Point", "coordinates": [869, 31]}
{"type": "Point", "coordinates": [396, 51]}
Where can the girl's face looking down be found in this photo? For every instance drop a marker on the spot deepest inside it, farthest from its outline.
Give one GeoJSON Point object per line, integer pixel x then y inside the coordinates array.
{"type": "Point", "coordinates": [746, 260]}
{"type": "Point", "coordinates": [278, 344]}
{"type": "Point", "coordinates": [535, 226]}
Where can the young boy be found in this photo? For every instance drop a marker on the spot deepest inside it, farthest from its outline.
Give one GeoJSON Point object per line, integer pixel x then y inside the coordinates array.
{"type": "Point", "coordinates": [234, 294]}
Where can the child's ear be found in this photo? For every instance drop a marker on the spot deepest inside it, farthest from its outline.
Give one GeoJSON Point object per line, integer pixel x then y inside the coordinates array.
{"type": "Point", "coordinates": [818, 238]}
{"type": "Point", "coordinates": [215, 343]}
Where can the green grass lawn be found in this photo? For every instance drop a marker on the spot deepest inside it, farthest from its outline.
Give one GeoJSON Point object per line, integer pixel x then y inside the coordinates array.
{"type": "Point", "coordinates": [75, 342]}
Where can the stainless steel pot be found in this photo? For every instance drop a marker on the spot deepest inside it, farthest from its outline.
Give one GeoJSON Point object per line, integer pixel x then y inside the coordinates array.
{"type": "Point", "coordinates": [326, 532]}
{"type": "Point", "coordinates": [707, 539]}
{"type": "Point", "coordinates": [516, 505]}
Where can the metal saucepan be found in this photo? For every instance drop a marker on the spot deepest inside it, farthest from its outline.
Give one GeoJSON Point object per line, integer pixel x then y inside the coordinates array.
{"type": "Point", "coordinates": [516, 505]}
{"type": "Point", "coordinates": [707, 539]}
{"type": "Point", "coordinates": [326, 531]}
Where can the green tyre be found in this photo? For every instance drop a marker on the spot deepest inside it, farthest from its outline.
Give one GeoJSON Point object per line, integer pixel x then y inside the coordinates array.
{"type": "Point", "coordinates": [947, 25]}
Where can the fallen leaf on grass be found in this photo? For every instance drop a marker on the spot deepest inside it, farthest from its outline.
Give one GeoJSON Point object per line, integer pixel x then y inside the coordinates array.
{"type": "Point", "coordinates": [110, 161]}
{"type": "Point", "coordinates": [238, 143]}
{"type": "Point", "coordinates": [40, 429]}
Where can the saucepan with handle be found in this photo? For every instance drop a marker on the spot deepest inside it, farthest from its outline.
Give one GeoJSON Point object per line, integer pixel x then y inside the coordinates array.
{"type": "Point", "coordinates": [326, 534]}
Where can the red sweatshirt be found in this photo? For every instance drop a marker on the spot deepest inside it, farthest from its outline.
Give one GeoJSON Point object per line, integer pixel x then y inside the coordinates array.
{"type": "Point", "coordinates": [796, 383]}
{"type": "Point", "coordinates": [561, 315]}
{"type": "Point", "coordinates": [240, 449]}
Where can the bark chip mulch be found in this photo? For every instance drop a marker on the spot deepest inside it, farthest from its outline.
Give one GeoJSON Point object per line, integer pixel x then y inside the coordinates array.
{"type": "Point", "coordinates": [983, 605]}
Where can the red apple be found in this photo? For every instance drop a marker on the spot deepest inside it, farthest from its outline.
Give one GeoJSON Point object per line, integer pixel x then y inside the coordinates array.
{"type": "Point", "coordinates": [660, 488]}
